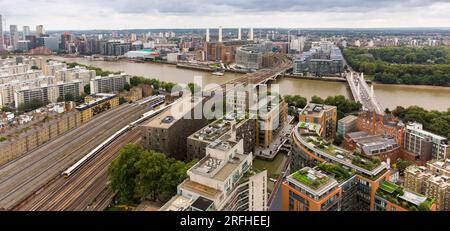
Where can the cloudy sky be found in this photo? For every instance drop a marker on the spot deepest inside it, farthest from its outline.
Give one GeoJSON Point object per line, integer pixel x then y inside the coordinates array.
{"type": "Point", "coordinates": [142, 14]}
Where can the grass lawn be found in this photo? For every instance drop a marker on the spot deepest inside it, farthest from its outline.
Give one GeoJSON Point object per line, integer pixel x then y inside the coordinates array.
{"type": "Point", "coordinates": [304, 179]}
{"type": "Point", "coordinates": [388, 186]}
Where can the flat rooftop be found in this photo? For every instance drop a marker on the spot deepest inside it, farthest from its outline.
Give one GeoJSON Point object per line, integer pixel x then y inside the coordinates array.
{"type": "Point", "coordinates": [177, 203]}
{"type": "Point", "coordinates": [169, 116]}
{"type": "Point", "coordinates": [348, 119]}
{"type": "Point", "coordinates": [201, 189]}
{"type": "Point", "coordinates": [312, 181]}
{"type": "Point", "coordinates": [316, 110]}
{"type": "Point", "coordinates": [99, 98]}
{"type": "Point", "coordinates": [216, 168]}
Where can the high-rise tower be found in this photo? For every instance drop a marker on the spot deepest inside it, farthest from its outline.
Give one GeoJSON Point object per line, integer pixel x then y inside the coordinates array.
{"type": "Point", "coordinates": [14, 34]}
{"type": "Point", "coordinates": [220, 34]}
{"type": "Point", "coordinates": [1, 33]}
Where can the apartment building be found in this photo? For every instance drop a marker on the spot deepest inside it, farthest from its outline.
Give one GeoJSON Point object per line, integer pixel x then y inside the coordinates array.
{"type": "Point", "coordinates": [347, 125]}
{"type": "Point", "coordinates": [28, 139]}
{"type": "Point", "coordinates": [77, 72]}
{"type": "Point", "coordinates": [324, 118]}
{"type": "Point", "coordinates": [309, 149]}
{"type": "Point", "coordinates": [176, 123]}
{"type": "Point", "coordinates": [52, 67]}
{"type": "Point", "coordinates": [391, 197]}
{"type": "Point", "coordinates": [242, 128]}
{"type": "Point", "coordinates": [15, 68]}
{"type": "Point", "coordinates": [28, 75]}
{"type": "Point", "coordinates": [223, 180]}
{"type": "Point", "coordinates": [109, 84]}
{"type": "Point", "coordinates": [271, 116]}
{"type": "Point", "coordinates": [47, 93]}
{"type": "Point", "coordinates": [7, 90]}
{"type": "Point", "coordinates": [96, 104]}
{"type": "Point", "coordinates": [425, 144]}
{"type": "Point", "coordinates": [432, 181]}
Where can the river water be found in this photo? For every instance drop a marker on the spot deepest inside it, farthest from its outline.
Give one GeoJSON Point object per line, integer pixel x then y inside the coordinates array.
{"type": "Point", "coordinates": [390, 96]}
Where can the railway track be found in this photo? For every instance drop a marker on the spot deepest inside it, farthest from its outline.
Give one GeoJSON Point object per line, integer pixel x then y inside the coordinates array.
{"type": "Point", "coordinates": [86, 189]}
{"type": "Point", "coordinates": [45, 163]}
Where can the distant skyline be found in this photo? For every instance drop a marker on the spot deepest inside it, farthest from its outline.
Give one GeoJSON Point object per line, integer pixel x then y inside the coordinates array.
{"type": "Point", "coordinates": [136, 14]}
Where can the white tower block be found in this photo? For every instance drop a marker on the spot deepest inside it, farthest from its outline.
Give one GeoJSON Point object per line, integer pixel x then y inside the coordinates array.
{"type": "Point", "coordinates": [220, 34]}
{"type": "Point", "coordinates": [239, 34]}
{"type": "Point", "coordinates": [251, 34]}
{"type": "Point", "coordinates": [207, 35]}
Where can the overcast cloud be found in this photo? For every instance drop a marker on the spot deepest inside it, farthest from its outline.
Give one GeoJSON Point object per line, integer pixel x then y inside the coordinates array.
{"type": "Point", "coordinates": [121, 14]}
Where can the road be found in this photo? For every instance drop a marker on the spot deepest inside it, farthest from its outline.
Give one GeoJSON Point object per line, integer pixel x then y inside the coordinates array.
{"type": "Point", "coordinates": [27, 174]}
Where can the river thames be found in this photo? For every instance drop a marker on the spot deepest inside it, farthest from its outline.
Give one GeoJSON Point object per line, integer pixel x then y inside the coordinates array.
{"type": "Point", "coordinates": [389, 96]}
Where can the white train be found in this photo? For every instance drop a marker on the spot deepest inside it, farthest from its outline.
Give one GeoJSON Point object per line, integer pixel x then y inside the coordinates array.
{"type": "Point", "coordinates": [154, 101]}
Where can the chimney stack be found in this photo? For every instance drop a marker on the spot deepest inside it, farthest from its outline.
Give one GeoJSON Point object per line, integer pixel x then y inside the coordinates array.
{"type": "Point", "coordinates": [239, 34]}
{"type": "Point", "coordinates": [207, 35]}
{"type": "Point", "coordinates": [220, 34]}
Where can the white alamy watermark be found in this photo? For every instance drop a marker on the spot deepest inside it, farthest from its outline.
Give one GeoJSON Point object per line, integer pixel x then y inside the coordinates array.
{"type": "Point", "coordinates": [230, 101]}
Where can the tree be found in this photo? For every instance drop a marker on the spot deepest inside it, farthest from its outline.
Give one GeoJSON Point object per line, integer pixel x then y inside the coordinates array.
{"type": "Point", "coordinates": [316, 99]}
{"type": "Point", "coordinates": [296, 101]}
{"type": "Point", "coordinates": [194, 88]}
{"type": "Point", "coordinates": [122, 100]}
{"type": "Point", "coordinates": [423, 207]}
{"type": "Point", "coordinates": [34, 68]}
{"type": "Point", "coordinates": [87, 89]}
{"type": "Point", "coordinates": [151, 166]}
{"type": "Point", "coordinates": [127, 87]}
{"type": "Point", "coordinates": [122, 172]}
{"type": "Point", "coordinates": [338, 140]}
{"type": "Point", "coordinates": [69, 97]}
{"type": "Point", "coordinates": [6, 109]}
{"type": "Point", "coordinates": [402, 165]}
{"type": "Point", "coordinates": [138, 174]}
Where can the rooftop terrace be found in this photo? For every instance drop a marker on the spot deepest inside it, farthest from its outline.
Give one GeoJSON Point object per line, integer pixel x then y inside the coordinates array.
{"type": "Point", "coordinates": [407, 199]}
{"type": "Point", "coordinates": [326, 150]}
{"type": "Point", "coordinates": [312, 181]}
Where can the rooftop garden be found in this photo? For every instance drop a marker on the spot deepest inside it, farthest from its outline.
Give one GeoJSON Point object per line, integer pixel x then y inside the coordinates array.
{"type": "Point", "coordinates": [339, 172]}
{"type": "Point", "coordinates": [356, 158]}
{"type": "Point", "coordinates": [304, 177]}
{"type": "Point", "coordinates": [366, 163]}
{"type": "Point", "coordinates": [393, 193]}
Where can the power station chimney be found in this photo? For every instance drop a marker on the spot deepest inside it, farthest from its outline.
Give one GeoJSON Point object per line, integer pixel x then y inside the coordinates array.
{"type": "Point", "coordinates": [220, 34]}
{"type": "Point", "coordinates": [251, 34]}
{"type": "Point", "coordinates": [207, 35]}
{"type": "Point", "coordinates": [239, 34]}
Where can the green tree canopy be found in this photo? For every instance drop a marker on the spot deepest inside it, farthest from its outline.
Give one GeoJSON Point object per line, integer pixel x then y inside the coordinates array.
{"type": "Point", "coordinates": [138, 174]}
